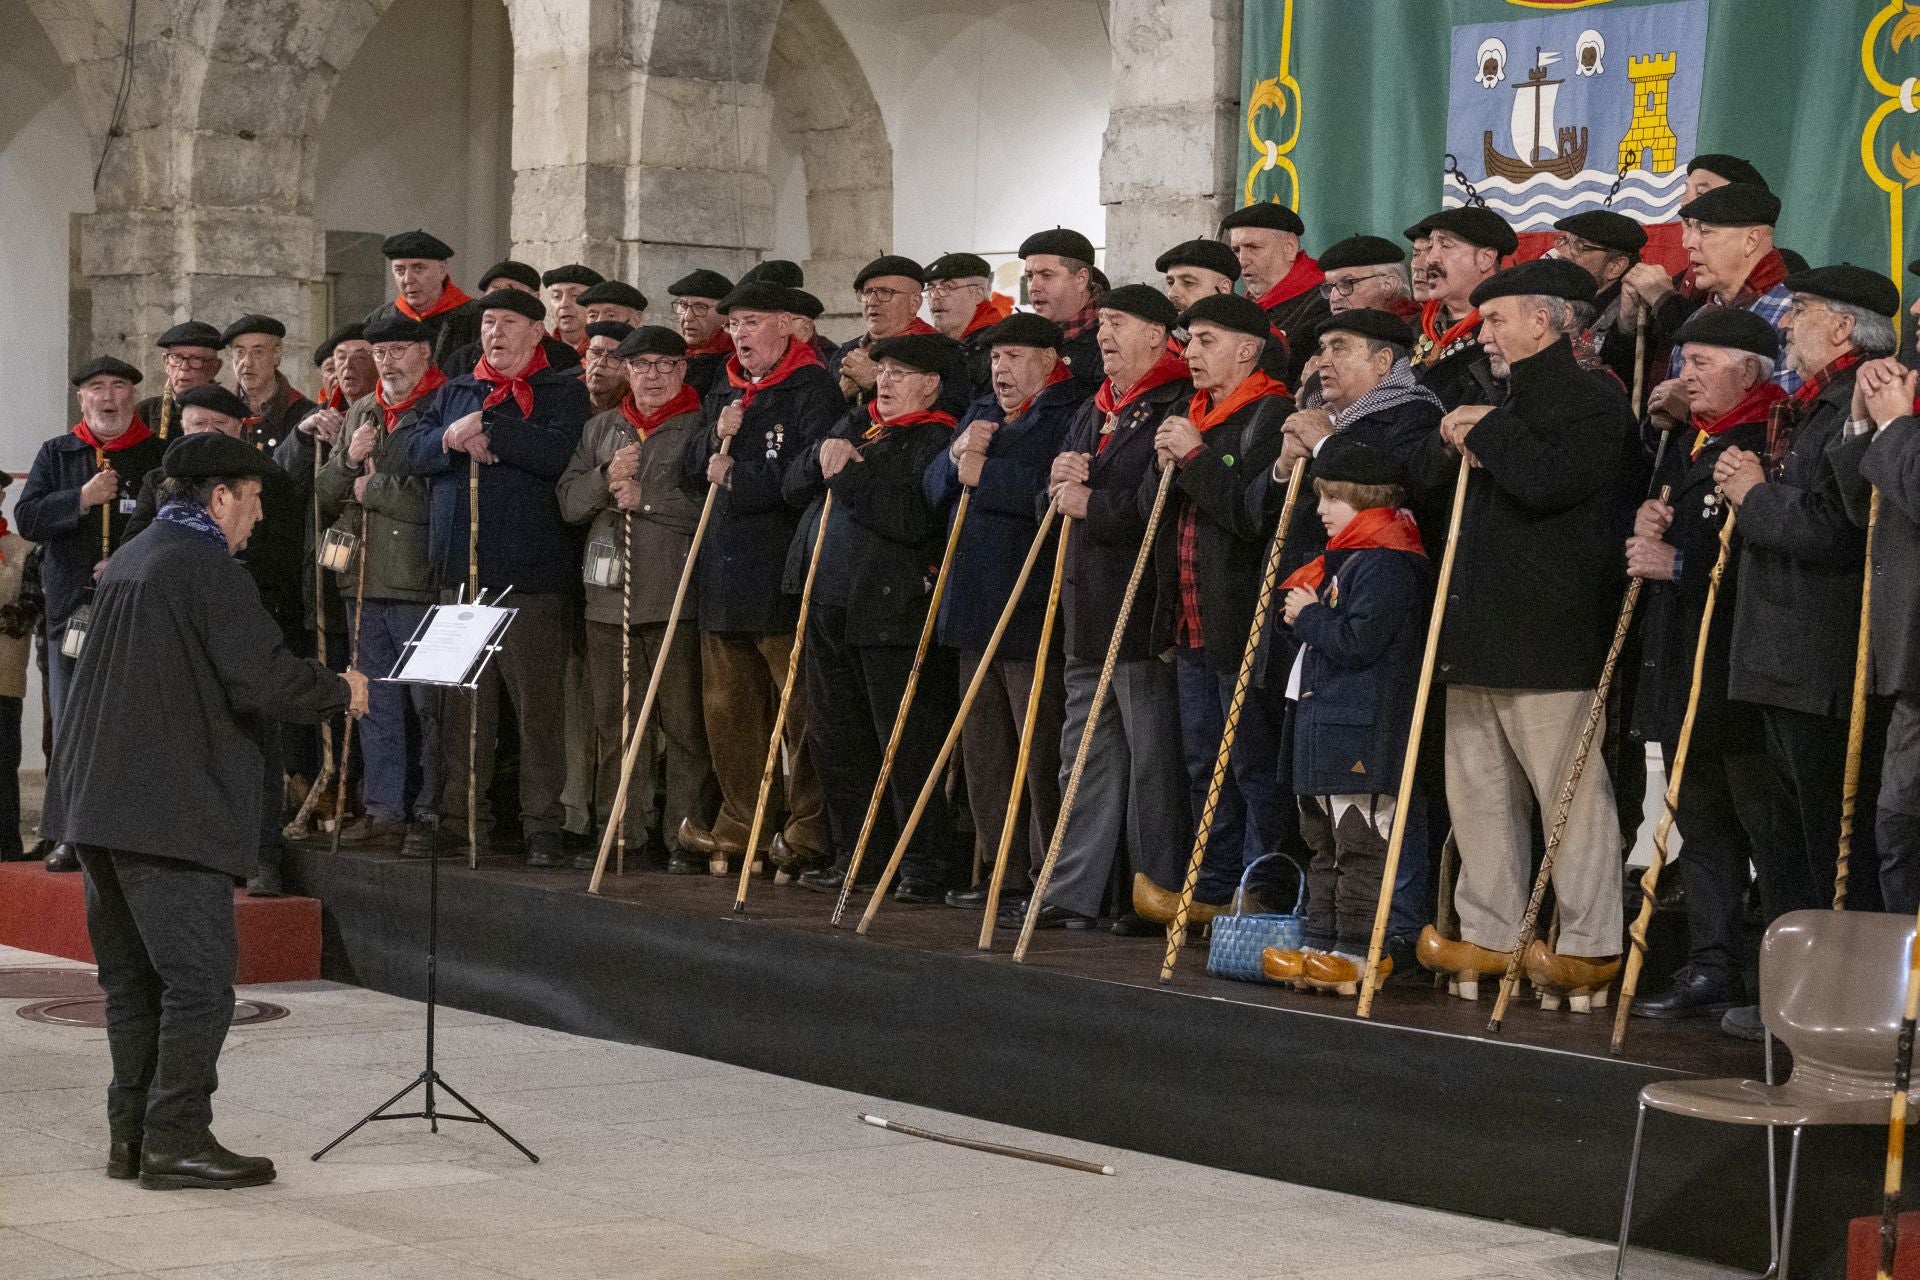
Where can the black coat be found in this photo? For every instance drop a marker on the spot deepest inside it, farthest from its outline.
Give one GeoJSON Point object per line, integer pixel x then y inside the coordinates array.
{"type": "Point", "coordinates": [183, 676]}
{"type": "Point", "coordinates": [976, 365]}
{"type": "Point", "coordinates": [707, 372]}
{"type": "Point", "coordinates": [744, 552]}
{"type": "Point", "coordinates": [1889, 459]}
{"type": "Point", "coordinates": [1293, 322]}
{"type": "Point", "coordinates": [1462, 376]}
{"type": "Point", "coordinates": [1081, 355]}
{"type": "Point", "coordinates": [456, 338]}
{"type": "Point", "coordinates": [284, 410]}
{"type": "Point", "coordinates": [1538, 576]}
{"type": "Point", "coordinates": [48, 514]}
{"type": "Point", "coordinates": [1797, 625]}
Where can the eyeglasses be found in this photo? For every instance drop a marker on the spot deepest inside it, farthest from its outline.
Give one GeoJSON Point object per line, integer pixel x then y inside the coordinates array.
{"type": "Point", "coordinates": [893, 373]}
{"type": "Point", "coordinates": [681, 307]}
{"type": "Point", "coordinates": [385, 354]}
{"type": "Point", "coordinates": [880, 293]}
{"type": "Point", "coordinates": [1806, 306]}
{"type": "Point", "coordinates": [178, 361]}
{"type": "Point", "coordinates": [1345, 288]}
{"type": "Point", "coordinates": [660, 367]}
{"type": "Point", "coordinates": [598, 357]}
{"type": "Point", "coordinates": [941, 288]}
{"type": "Point", "coordinates": [1569, 245]}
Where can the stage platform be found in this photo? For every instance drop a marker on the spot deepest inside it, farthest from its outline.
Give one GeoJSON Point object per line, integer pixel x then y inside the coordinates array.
{"type": "Point", "coordinates": [1416, 1105]}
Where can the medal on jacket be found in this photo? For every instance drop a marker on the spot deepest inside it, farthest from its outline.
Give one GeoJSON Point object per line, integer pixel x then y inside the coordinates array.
{"type": "Point", "coordinates": [1106, 428]}
{"type": "Point", "coordinates": [775, 437]}
{"type": "Point", "coordinates": [1711, 504]}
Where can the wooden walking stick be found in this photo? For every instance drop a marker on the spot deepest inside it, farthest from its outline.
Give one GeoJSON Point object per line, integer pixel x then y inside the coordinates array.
{"type": "Point", "coordinates": [1897, 1115]}
{"type": "Point", "coordinates": [353, 664]}
{"type": "Point", "coordinates": [906, 703]}
{"type": "Point", "coordinates": [1243, 679]}
{"type": "Point", "coordinates": [166, 408]}
{"type": "Point", "coordinates": [936, 774]}
{"type": "Point", "coordinates": [473, 701]}
{"type": "Point", "coordinates": [1856, 716]}
{"type": "Point", "coordinates": [1563, 808]}
{"type": "Point", "coordinates": [1640, 362]}
{"type": "Point", "coordinates": [638, 734]}
{"type": "Point", "coordinates": [1403, 798]}
{"type": "Point", "coordinates": [323, 780]}
{"type": "Point", "coordinates": [1034, 694]}
{"type": "Point", "coordinates": [626, 666]}
{"type": "Point", "coordinates": [1650, 879]}
{"type": "Point", "coordinates": [780, 716]}
{"type": "Point", "coordinates": [1100, 690]}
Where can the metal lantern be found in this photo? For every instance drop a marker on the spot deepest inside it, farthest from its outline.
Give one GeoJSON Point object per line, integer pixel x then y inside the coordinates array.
{"type": "Point", "coordinates": [336, 550]}
{"type": "Point", "coordinates": [602, 566]}
{"type": "Point", "coordinates": [75, 638]}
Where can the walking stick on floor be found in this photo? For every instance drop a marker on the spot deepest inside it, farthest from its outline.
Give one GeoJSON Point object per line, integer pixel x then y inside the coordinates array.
{"type": "Point", "coordinates": [626, 668]}
{"type": "Point", "coordinates": [323, 780]}
{"type": "Point", "coordinates": [906, 703]}
{"type": "Point", "coordinates": [1177, 931]}
{"type": "Point", "coordinates": [1100, 690]}
{"type": "Point", "coordinates": [936, 774]}
{"type": "Point", "coordinates": [473, 699]}
{"type": "Point", "coordinates": [1563, 809]}
{"type": "Point", "coordinates": [780, 716]}
{"type": "Point", "coordinates": [353, 664]}
{"type": "Point", "coordinates": [1403, 798]}
{"type": "Point", "coordinates": [1650, 879]}
{"type": "Point", "coordinates": [1640, 362]}
{"type": "Point", "coordinates": [1034, 695]}
{"type": "Point", "coordinates": [1856, 717]}
{"type": "Point", "coordinates": [638, 733]}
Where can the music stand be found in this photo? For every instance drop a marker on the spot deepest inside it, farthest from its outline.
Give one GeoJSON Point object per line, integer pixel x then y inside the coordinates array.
{"type": "Point", "coordinates": [450, 655]}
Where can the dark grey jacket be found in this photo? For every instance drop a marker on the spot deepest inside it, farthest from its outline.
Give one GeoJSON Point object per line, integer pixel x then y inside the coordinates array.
{"type": "Point", "coordinates": [396, 510]}
{"type": "Point", "coordinates": [1889, 459]}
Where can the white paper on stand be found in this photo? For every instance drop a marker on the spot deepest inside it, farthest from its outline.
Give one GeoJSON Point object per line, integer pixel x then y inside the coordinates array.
{"type": "Point", "coordinates": [451, 645]}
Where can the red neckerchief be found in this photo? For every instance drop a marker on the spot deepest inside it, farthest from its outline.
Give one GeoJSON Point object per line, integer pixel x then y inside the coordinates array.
{"type": "Point", "coordinates": [1204, 414]}
{"type": "Point", "coordinates": [136, 431]}
{"type": "Point", "coordinates": [1766, 273]}
{"type": "Point", "coordinates": [515, 385]}
{"type": "Point", "coordinates": [1783, 422]}
{"type": "Point", "coordinates": [720, 344]}
{"type": "Point", "coordinates": [336, 399]}
{"type": "Point", "coordinates": [1169, 368]}
{"type": "Point", "coordinates": [1059, 375]}
{"type": "Point", "coordinates": [1755, 406]}
{"type": "Point", "coordinates": [1430, 314]}
{"type": "Point", "coordinates": [996, 308]}
{"type": "Point", "coordinates": [450, 297]}
{"type": "Point", "coordinates": [430, 381]}
{"type": "Point", "coordinates": [1304, 274]}
{"type": "Point", "coordinates": [686, 400]}
{"type": "Point", "coordinates": [798, 356]}
{"type": "Point", "coordinates": [586, 340]}
{"type": "Point", "coordinates": [881, 424]}
{"type": "Point", "coordinates": [916, 325]}
{"type": "Point", "coordinates": [1387, 527]}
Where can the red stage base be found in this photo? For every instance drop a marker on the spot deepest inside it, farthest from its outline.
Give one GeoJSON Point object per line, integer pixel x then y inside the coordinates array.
{"type": "Point", "coordinates": [1863, 1248]}
{"type": "Point", "coordinates": [41, 911]}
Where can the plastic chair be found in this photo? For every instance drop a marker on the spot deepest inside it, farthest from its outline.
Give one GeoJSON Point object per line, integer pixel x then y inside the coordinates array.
{"type": "Point", "coordinates": [1832, 987]}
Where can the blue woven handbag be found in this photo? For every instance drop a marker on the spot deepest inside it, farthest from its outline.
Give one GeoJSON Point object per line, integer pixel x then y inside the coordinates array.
{"type": "Point", "coordinates": [1238, 938]}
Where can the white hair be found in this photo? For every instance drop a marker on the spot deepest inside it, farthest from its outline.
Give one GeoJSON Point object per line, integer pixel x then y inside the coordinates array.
{"type": "Point", "coordinates": [1873, 333]}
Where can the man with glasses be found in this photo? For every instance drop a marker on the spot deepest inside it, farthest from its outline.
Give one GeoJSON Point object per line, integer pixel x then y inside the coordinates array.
{"type": "Point", "coordinates": [890, 295]}
{"type": "Point", "coordinates": [192, 360]}
{"type": "Point", "coordinates": [255, 342]}
{"type": "Point", "coordinates": [1366, 273]}
{"type": "Point", "coordinates": [696, 302]}
{"type": "Point", "coordinates": [1606, 245]}
{"type": "Point", "coordinates": [961, 299]}
{"type": "Point", "coordinates": [1057, 266]}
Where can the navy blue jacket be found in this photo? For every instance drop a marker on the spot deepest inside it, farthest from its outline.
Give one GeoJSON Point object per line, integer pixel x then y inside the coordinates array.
{"type": "Point", "coordinates": [48, 513]}
{"type": "Point", "coordinates": [1362, 665]}
{"type": "Point", "coordinates": [1001, 523]}
{"type": "Point", "coordinates": [524, 542]}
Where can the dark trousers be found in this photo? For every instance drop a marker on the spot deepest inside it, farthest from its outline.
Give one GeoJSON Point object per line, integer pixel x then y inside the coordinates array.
{"type": "Point", "coordinates": [272, 857]}
{"type": "Point", "coordinates": [1349, 837]}
{"type": "Point", "coordinates": [163, 937]}
{"type": "Point", "coordinates": [1898, 823]}
{"type": "Point", "coordinates": [990, 746]}
{"type": "Point", "coordinates": [531, 670]}
{"type": "Point", "coordinates": [1808, 755]}
{"type": "Point", "coordinates": [1724, 817]}
{"type": "Point", "coordinates": [1249, 814]}
{"type": "Point", "coordinates": [853, 694]}
{"type": "Point", "coordinates": [396, 747]}
{"type": "Point", "coordinates": [10, 777]}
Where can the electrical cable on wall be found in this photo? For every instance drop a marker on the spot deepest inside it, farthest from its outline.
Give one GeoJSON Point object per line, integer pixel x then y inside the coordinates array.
{"type": "Point", "coordinates": [121, 94]}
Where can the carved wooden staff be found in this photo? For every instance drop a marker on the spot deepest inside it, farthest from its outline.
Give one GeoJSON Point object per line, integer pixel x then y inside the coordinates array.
{"type": "Point", "coordinates": [938, 769]}
{"type": "Point", "coordinates": [1650, 879]}
{"type": "Point", "coordinates": [1640, 362]}
{"type": "Point", "coordinates": [906, 703]}
{"type": "Point", "coordinates": [1034, 694]}
{"type": "Point", "coordinates": [353, 664]}
{"type": "Point", "coordinates": [166, 408]}
{"type": "Point", "coordinates": [626, 659]}
{"type": "Point", "coordinates": [323, 780]}
{"type": "Point", "coordinates": [637, 735]}
{"type": "Point", "coordinates": [1243, 679]}
{"type": "Point", "coordinates": [780, 716]}
{"type": "Point", "coordinates": [1403, 798]}
{"type": "Point", "coordinates": [473, 701]}
{"type": "Point", "coordinates": [1100, 690]}
{"type": "Point", "coordinates": [1857, 716]}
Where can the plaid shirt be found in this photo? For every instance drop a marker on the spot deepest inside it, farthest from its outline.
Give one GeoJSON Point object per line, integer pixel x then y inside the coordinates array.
{"type": "Point", "coordinates": [1082, 320]}
{"type": "Point", "coordinates": [1770, 304]}
{"type": "Point", "coordinates": [1187, 631]}
{"type": "Point", "coordinates": [1784, 419]}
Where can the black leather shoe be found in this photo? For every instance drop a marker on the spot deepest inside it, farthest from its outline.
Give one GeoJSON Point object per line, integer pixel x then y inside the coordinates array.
{"type": "Point", "coordinates": [212, 1168]}
{"type": "Point", "coordinates": [1742, 1022]}
{"type": "Point", "coordinates": [920, 892]}
{"type": "Point", "coordinates": [63, 858]}
{"type": "Point", "coordinates": [419, 839]}
{"type": "Point", "coordinates": [823, 879]}
{"type": "Point", "coordinates": [1052, 916]}
{"type": "Point", "coordinates": [1135, 925]}
{"type": "Point", "coordinates": [123, 1160]}
{"type": "Point", "coordinates": [1694, 994]}
{"type": "Point", "coordinates": [975, 899]}
{"type": "Point", "coordinates": [682, 863]}
{"type": "Point", "coordinates": [268, 883]}
{"type": "Point", "coordinates": [544, 850]}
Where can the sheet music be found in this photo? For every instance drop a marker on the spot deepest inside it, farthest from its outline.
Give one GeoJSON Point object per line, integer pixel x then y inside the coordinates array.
{"type": "Point", "coordinates": [451, 645]}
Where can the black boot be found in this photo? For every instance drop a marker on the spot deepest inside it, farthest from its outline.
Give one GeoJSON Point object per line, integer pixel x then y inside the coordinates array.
{"type": "Point", "coordinates": [123, 1159]}
{"type": "Point", "coordinates": [1695, 993]}
{"type": "Point", "coordinates": [63, 858]}
{"type": "Point", "coordinates": [211, 1168]}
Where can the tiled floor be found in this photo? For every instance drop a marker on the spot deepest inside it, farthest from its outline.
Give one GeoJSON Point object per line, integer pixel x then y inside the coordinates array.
{"type": "Point", "coordinates": [652, 1164]}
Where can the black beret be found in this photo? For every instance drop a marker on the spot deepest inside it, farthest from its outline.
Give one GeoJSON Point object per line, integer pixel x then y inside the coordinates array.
{"type": "Point", "coordinates": [388, 325]}
{"type": "Point", "coordinates": [252, 324]}
{"type": "Point", "coordinates": [888, 264]}
{"type": "Point", "coordinates": [415, 244]}
{"type": "Point", "coordinates": [190, 333]}
{"type": "Point", "coordinates": [617, 292]}
{"type": "Point", "coordinates": [651, 340]}
{"type": "Point", "coordinates": [1361, 251]}
{"type": "Point", "coordinates": [1382, 326]}
{"type": "Point", "coordinates": [958, 266]}
{"type": "Point", "coordinates": [1732, 168]}
{"type": "Point", "coordinates": [1794, 260]}
{"type": "Point", "coordinates": [1229, 311]}
{"type": "Point", "coordinates": [513, 300]}
{"type": "Point", "coordinates": [615, 329]}
{"type": "Point", "coordinates": [354, 331]}
{"type": "Point", "coordinates": [209, 455]}
{"type": "Point", "coordinates": [105, 365]}
{"type": "Point", "coordinates": [1060, 242]}
{"type": "Point", "coordinates": [1738, 204]}
{"type": "Point", "coordinates": [1848, 284]}
{"type": "Point", "coordinates": [1025, 329]}
{"type": "Point", "coordinates": [1344, 458]}
{"type": "Point", "coordinates": [1272, 216]}
{"type": "Point", "coordinates": [1141, 300]}
{"type": "Point", "coordinates": [510, 269]}
{"type": "Point", "coordinates": [758, 296]}
{"type": "Point", "coordinates": [1471, 223]}
{"type": "Point", "coordinates": [1209, 255]}
{"type": "Point", "coordinates": [805, 305]}
{"type": "Point", "coordinates": [1734, 327]}
{"type": "Point", "coordinates": [1607, 229]}
{"type": "Point", "coordinates": [927, 352]}
{"type": "Point", "coordinates": [701, 283]}
{"type": "Point", "coordinates": [571, 273]}
{"type": "Point", "coordinates": [215, 397]}
{"type": "Point", "coordinates": [776, 271]}
{"type": "Point", "coordinates": [1542, 277]}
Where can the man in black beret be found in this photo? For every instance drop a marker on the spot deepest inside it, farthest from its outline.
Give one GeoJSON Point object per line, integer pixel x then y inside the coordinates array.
{"type": "Point", "coordinates": [424, 290]}
{"type": "Point", "coordinates": [890, 293]}
{"type": "Point", "coordinates": [1284, 281]}
{"type": "Point", "coordinates": [1057, 266]}
{"type": "Point", "coordinates": [1465, 247]}
{"type": "Point", "coordinates": [559, 355]}
{"type": "Point", "coordinates": [1366, 272]}
{"type": "Point", "coordinates": [778, 271]}
{"type": "Point", "coordinates": [696, 300]}
{"type": "Point", "coordinates": [1002, 451]}
{"type": "Point", "coordinates": [604, 372]}
{"type": "Point", "coordinates": [563, 286]}
{"type": "Point", "coordinates": [1195, 269]}
{"type": "Point", "coordinates": [614, 300]}
{"type": "Point", "coordinates": [510, 273]}
{"type": "Point", "coordinates": [192, 360]}
{"type": "Point", "coordinates": [184, 659]}
{"type": "Point", "coordinates": [961, 300]}
{"type": "Point", "coordinates": [256, 344]}
{"type": "Point", "coordinates": [1716, 169]}
{"type": "Point", "coordinates": [1606, 245]}
{"type": "Point", "coordinates": [1535, 593]}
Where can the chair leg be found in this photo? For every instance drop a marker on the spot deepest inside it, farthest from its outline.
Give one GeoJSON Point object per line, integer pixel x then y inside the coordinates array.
{"type": "Point", "coordinates": [1786, 1214]}
{"type": "Point", "coordinates": [1626, 1209]}
{"type": "Point", "coordinates": [1773, 1184]}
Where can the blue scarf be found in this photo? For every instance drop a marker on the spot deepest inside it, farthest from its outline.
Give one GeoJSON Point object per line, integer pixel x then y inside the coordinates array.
{"type": "Point", "coordinates": [189, 515]}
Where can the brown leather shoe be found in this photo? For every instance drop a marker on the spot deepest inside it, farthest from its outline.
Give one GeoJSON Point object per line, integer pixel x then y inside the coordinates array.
{"type": "Point", "coordinates": [1331, 971]}
{"type": "Point", "coordinates": [1462, 962]}
{"type": "Point", "coordinates": [1282, 966]}
{"type": "Point", "coordinates": [1161, 905]}
{"type": "Point", "coordinates": [1582, 979]}
{"type": "Point", "coordinates": [791, 858]}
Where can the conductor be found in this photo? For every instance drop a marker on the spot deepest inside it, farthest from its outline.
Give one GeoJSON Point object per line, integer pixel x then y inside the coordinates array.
{"type": "Point", "coordinates": [180, 651]}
